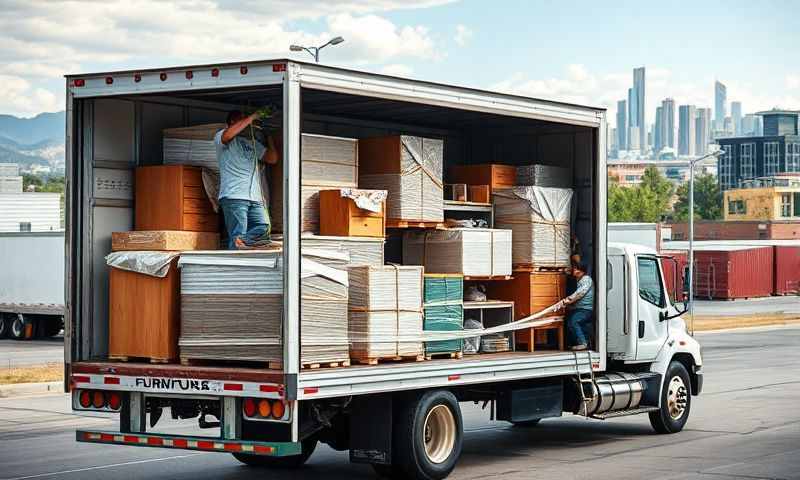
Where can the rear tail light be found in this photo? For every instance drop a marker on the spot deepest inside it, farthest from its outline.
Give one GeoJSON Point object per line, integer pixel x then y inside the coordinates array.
{"type": "Point", "coordinates": [264, 410]}
{"type": "Point", "coordinates": [96, 400]}
{"type": "Point", "coordinates": [79, 82]}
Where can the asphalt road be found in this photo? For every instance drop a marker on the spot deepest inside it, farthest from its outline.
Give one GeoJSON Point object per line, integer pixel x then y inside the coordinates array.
{"type": "Point", "coordinates": [768, 305]}
{"type": "Point", "coordinates": [746, 425]}
{"type": "Point", "coordinates": [14, 353]}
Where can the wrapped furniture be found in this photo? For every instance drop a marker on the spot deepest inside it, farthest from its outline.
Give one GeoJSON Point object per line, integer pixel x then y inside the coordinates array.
{"type": "Point", "coordinates": [352, 212]}
{"type": "Point", "coordinates": [444, 311]}
{"type": "Point", "coordinates": [544, 176]}
{"type": "Point", "coordinates": [476, 252]}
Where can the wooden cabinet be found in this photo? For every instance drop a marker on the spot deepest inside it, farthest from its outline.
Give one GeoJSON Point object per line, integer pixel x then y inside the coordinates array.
{"type": "Point", "coordinates": [495, 175]}
{"type": "Point", "coordinates": [340, 217]}
{"type": "Point", "coordinates": [146, 329]}
{"type": "Point", "coordinates": [479, 194]}
{"type": "Point", "coordinates": [531, 292]}
{"type": "Point", "coordinates": [172, 197]}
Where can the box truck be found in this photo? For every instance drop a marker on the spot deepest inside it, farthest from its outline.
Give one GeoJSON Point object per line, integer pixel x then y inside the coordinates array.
{"type": "Point", "coordinates": [403, 418]}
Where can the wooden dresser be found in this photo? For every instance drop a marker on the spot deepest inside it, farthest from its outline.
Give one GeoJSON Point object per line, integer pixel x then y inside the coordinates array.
{"type": "Point", "coordinates": [172, 197]}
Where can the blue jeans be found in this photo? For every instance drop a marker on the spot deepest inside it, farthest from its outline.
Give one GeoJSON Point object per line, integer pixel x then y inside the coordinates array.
{"type": "Point", "coordinates": [579, 326]}
{"type": "Point", "coordinates": [244, 219]}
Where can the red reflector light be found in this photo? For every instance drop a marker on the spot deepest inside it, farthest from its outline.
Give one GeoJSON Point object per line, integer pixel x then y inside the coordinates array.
{"type": "Point", "coordinates": [310, 390]}
{"type": "Point", "coordinates": [264, 408]}
{"type": "Point", "coordinates": [85, 399]}
{"type": "Point", "coordinates": [114, 400]}
{"type": "Point", "coordinates": [106, 437]}
{"type": "Point", "coordinates": [111, 380]}
{"type": "Point", "coordinates": [81, 379]}
{"type": "Point", "coordinates": [243, 70]}
{"type": "Point", "coordinates": [155, 441]}
{"type": "Point", "coordinates": [278, 409]}
{"type": "Point", "coordinates": [262, 449]}
{"type": "Point", "coordinates": [270, 388]}
{"type": "Point", "coordinates": [215, 72]}
{"type": "Point", "coordinates": [205, 445]}
{"type": "Point", "coordinates": [233, 447]}
{"type": "Point", "coordinates": [98, 399]}
{"type": "Point", "coordinates": [137, 78]}
{"type": "Point", "coordinates": [180, 443]}
{"type": "Point", "coordinates": [130, 439]}
{"type": "Point", "coordinates": [233, 386]}
{"type": "Point", "coordinates": [109, 80]}
{"type": "Point", "coordinates": [279, 67]}
{"type": "Point", "coordinates": [453, 377]}
{"type": "Point", "coordinates": [189, 75]}
{"type": "Point", "coordinates": [163, 76]}
{"type": "Point", "coordinates": [249, 407]}
{"type": "Point", "coordinates": [79, 82]}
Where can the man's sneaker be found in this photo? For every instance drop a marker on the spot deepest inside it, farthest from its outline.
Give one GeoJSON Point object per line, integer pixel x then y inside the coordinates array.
{"type": "Point", "coordinates": [578, 348]}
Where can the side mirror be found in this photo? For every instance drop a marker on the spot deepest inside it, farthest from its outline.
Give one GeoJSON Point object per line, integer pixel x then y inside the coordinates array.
{"type": "Point", "coordinates": [663, 315]}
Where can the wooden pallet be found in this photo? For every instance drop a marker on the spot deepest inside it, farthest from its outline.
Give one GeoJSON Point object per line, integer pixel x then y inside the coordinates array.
{"type": "Point", "coordinates": [204, 362]}
{"type": "Point", "coordinates": [486, 278]}
{"type": "Point", "coordinates": [312, 366]}
{"type": "Point", "coordinates": [528, 267]}
{"type": "Point", "coordinates": [127, 358]}
{"type": "Point", "coordinates": [402, 223]}
{"type": "Point", "coordinates": [375, 361]}
{"type": "Point", "coordinates": [431, 356]}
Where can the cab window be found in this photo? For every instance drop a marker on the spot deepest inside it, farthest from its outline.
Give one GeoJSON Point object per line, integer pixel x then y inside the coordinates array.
{"type": "Point", "coordinates": [650, 281]}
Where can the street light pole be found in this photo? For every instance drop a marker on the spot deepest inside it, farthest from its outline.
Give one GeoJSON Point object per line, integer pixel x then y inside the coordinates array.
{"type": "Point", "coordinates": [314, 51]}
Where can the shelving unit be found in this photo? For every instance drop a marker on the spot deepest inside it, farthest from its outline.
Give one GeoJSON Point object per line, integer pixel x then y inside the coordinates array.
{"type": "Point", "coordinates": [464, 210]}
{"type": "Point", "coordinates": [491, 314]}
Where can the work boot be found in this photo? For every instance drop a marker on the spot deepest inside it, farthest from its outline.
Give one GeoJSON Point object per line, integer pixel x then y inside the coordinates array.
{"type": "Point", "coordinates": [578, 348]}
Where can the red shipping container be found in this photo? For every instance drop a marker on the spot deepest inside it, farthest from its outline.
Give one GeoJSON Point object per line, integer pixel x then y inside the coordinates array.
{"type": "Point", "coordinates": [736, 272]}
{"type": "Point", "coordinates": [675, 280]}
{"type": "Point", "coordinates": [787, 270]}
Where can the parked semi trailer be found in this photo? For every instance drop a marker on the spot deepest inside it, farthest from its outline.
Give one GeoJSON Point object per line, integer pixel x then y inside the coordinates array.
{"type": "Point", "coordinates": [403, 418]}
{"type": "Point", "coordinates": [31, 284]}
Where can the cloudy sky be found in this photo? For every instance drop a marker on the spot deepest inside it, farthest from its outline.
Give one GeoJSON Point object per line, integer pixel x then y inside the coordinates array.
{"type": "Point", "coordinates": [582, 51]}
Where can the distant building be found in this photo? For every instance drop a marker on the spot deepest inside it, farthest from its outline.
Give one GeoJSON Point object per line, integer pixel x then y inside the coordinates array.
{"type": "Point", "coordinates": [686, 130]}
{"type": "Point", "coordinates": [738, 230]}
{"type": "Point", "coordinates": [633, 139]}
{"type": "Point", "coordinates": [776, 152]}
{"type": "Point", "coordinates": [638, 88]}
{"type": "Point", "coordinates": [770, 198]}
{"type": "Point", "coordinates": [751, 126]}
{"type": "Point", "coordinates": [736, 116]}
{"type": "Point", "coordinates": [10, 179]}
{"type": "Point", "coordinates": [720, 99]}
{"type": "Point", "coordinates": [622, 125]}
{"type": "Point", "coordinates": [668, 123]}
{"type": "Point", "coordinates": [702, 132]}
{"type": "Point", "coordinates": [627, 174]}
{"type": "Point", "coordinates": [658, 133]}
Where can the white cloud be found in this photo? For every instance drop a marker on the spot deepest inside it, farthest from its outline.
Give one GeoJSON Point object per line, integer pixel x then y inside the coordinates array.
{"type": "Point", "coordinates": [397, 69]}
{"type": "Point", "coordinates": [44, 40]}
{"type": "Point", "coordinates": [579, 85]}
{"type": "Point", "coordinates": [22, 98]}
{"type": "Point", "coordinates": [463, 35]}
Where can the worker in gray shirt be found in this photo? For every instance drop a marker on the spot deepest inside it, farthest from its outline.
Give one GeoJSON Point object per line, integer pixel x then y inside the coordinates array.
{"type": "Point", "coordinates": [240, 196]}
{"type": "Point", "coordinates": [580, 307]}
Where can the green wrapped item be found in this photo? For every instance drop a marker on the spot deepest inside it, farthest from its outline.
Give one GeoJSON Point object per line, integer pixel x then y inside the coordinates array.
{"type": "Point", "coordinates": [444, 310]}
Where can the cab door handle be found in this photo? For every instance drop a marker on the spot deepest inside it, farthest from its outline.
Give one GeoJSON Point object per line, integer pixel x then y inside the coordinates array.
{"type": "Point", "coordinates": [641, 328]}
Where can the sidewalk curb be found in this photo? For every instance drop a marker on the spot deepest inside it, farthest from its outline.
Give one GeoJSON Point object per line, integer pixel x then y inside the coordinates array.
{"type": "Point", "coordinates": [21, 389]}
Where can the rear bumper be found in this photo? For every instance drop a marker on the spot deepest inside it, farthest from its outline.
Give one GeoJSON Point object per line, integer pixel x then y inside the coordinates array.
{"type": "Point", "coordinates": [205, 444]}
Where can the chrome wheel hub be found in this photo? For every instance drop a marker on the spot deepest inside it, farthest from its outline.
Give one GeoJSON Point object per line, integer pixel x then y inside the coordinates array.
{"type": "Point", "coordinates": [677, 397]}
{"type": "Point", "coordinates": [439, 433]}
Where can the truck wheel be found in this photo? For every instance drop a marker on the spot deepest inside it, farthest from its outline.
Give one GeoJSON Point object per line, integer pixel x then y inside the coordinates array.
{"type": "Point", "coordinates": [428, 434]}
{"type": "Point", "coordinates": [293, 461]}
{"type": "Point", "coordinates": [676, 401]}
{"type": "Point", "coordinates": [20, 329]}
{"type": "Point", "coordinates": [5, 323]}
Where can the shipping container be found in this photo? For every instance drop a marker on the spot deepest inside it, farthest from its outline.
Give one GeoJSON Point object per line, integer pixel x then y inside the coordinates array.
{"type": "Point", "coordinates": [787, 269]}
{"type": "Point", "coordinates": [733, 272]}
{"type": "Point", "coordinates": [675, 273]}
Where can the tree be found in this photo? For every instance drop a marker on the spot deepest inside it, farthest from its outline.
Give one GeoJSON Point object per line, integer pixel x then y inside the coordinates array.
{"type": "Point", "coordinates": [707, 199]}
{"type": "Point", "coordinates": [647, 202]}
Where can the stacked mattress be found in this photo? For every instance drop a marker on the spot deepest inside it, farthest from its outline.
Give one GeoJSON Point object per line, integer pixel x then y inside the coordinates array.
{"type": "Point", "coordinates": [478, 252]}
{"type": "Point", "coordinates": [192, 145]}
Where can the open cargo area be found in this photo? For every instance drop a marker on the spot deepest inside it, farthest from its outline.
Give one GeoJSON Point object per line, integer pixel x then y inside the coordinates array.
{"type": "Point", "coordinates": [415, 189]}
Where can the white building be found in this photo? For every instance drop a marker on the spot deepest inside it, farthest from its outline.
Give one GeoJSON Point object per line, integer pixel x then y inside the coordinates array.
{"type": "Point", "coordinates": [30, 212]}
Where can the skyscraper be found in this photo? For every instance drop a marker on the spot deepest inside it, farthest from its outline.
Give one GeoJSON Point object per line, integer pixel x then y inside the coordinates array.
{"type": "Point", "coordinates": [658, 140]}
{"type": "Point", "coordinates": [639, 97]}
{"type": "Point", "coordinates": [736, 115]}
{"type": "Point", "coordinates": [702, 131]}
{"type": "Point", "coordinates": [686, 130]}
{"type": "Point", "coordinates": [751, 125]}
{"type": "Point", "coordinates": [622, 125]}
{"type": "Point", "coordinates": [720, 99]}
{"type": "Point", "coordinates": [668, 122]}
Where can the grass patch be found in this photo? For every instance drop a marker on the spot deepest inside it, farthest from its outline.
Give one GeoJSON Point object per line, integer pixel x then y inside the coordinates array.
{"type": "Point", "coordinates": [714, 322]}
{"type": "Point", "coordinates": [41, 373]}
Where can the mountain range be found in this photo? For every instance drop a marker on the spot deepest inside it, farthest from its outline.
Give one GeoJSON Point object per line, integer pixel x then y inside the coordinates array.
{"type": "Point", "coordinates": [30, 141]}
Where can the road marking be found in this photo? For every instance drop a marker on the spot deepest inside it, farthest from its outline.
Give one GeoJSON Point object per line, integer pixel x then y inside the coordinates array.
{"type": "Point", "coordinates": [101, 467]}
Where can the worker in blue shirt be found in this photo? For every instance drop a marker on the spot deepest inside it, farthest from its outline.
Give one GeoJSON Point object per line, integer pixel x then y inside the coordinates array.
{"type": "Point", "coordinates": [240, 196]}
{"type": "Point", "coordinates": [580, 307]}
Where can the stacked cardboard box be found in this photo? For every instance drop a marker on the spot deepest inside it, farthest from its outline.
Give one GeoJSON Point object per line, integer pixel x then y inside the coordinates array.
{"type": "Point", "coordinates": [192, 145]}
{"type": "Point", "coordinates": [410, 169]}
{"type": "Point", "coordinates": [539, 218]}
{"type": "Point", "coordinates": [444, 310]}
{"type": "Point", "coordinates": [477, 252]}
{"type": "Point", "coordinates": [544, 176]}
{"type": "Point", "coordinates": [385, 305]}
{"type": "Point", "coordinates": [343, 252]}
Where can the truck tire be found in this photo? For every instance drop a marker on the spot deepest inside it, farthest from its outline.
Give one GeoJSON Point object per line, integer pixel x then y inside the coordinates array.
{"type": "Point", "coordinates": [20, 329]}
{"type": "Point", "coordinates": [427, 436]}
{"type": "Point", "coordinates": [293, 461]}
{"type": "Point", "coordinates": [676, 400]}
{"type": "Point", "coordinates": [5, 324]}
